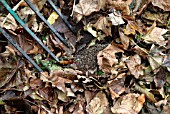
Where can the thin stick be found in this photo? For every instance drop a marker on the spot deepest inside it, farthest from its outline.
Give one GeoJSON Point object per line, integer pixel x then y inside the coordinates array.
{"type": "Point", "coordinates": [46, 22]}
{"type": "Point", "coordinates": [73, 8]}
{"type": "Point", "coordinates": [20, 50]}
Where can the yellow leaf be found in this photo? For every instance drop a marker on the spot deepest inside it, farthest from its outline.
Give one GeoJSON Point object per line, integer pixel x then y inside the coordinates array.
{"type": "Point", "coordinates": [52, 18]}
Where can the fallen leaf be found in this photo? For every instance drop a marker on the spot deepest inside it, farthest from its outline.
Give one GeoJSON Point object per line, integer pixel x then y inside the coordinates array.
{"type": "Point", "coordinates": [167, 62]}
{"type": "Point", "coordinates": [134, 65]}
{"type": "Point", "coordinates": [145, 91]}
{"type": "Point", "coordinates": [160, 78]}
{"type": "Point", "coordinates": [86, 7]}
{"type": "Point", "coordinates": [62, 96]}
{"type": "Point", "coordinates": [107, 58]}
{"type": "Point", "coordinates": [10, 22]}
{"type": "Point", "coordinates": [149, 17]}
{"type": "Point", "coordinates": [33, 23]}
{"type": "Point", "coordinates": [102, 24]}
{"type": "Point", "coordinates": [163, 4]}
{"type": "Point", "coordinates": [38, 3]}
{"type": "Point", "coordinates": [53, 16]}
{"type": "Point", "coordinates": [121, 5]}
{"type": "Point", "coordinates": [116, 86]}
{"type": "Point", "coordinates": [116, 18]}
{"type": "Point", "coordinates": [124, 40]}
{"type": "Point", "coordinates": [154, 35]}
{"type": "Point", "coordinates": [66, 73]}
{"type": "Point", "coordinates": [24, 12]}
{"type": "Point", "coordinates": [7, 71]}
{"type": "Point", "coordinates": [156, 58]}
{"type": "Point", "coordinates": [98, 104]}
{"type": "Point", "coordinates": [139, 105]}
{"type": "Point", "coordinates": [141, 51]}
{"type": "Point", "coordinates": [34, 50]}
{"type": "Point", "coordinates": [129, 104]}
{"type": "Point", "coordinates": [88, 28]}
{"type": "Point", "coordinates": [35, 83]}
{"type": "Point", "coordinates": [134, 26]}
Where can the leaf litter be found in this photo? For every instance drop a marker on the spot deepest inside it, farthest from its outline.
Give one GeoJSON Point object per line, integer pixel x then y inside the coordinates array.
{"type": "Point", "coordinates": [117, 63]}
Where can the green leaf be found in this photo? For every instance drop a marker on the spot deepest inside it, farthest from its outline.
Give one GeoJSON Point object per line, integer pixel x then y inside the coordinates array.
{"type": "Point", "coordinates": [50, 65]}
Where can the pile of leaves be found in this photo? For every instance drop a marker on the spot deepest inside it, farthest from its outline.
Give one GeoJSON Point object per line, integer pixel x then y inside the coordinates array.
{"type": "Point", "coordinates": [118, 62]}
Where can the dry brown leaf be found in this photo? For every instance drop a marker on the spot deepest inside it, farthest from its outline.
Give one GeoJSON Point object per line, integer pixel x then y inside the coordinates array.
{"type": "Point", "coordinates": [121, 5]}
{"type": "Point", "coordinates": [33, 23]}
{"type": "Point", "coordinates": [134, 26]}
{"type": "Point", "coordinates": [129, 30]}
{"type": "Point", "coordinates": [145, 91]}
{"type": "Point", "coordinates": [66, 73]}
{"type": "Point", "coordinates": [154, 35]}
{"type": "Point", "coordinates": [124, 40]}
{"type": "Point", "coordinates": [134, 65]}
{"type": "Point", "coordinates": [86, 7]}
{"type": "Point", "coordinates": [7, 72]}
{"type": "Point", "coordinates": [34, 50]}
{"type": "Point", "coordinates": [156, 57]}
{"type": "Point", "coordinates": [116, 87]}
{"type": "Point", "coordinates": [160, 78]}
{"type": "Point", "coordinates": [79, 109]}
{"type": "Point", "coordinates": [10, 22]}
{"type": "Point", "coordinates": [58, 78]}
{"type": "Point", "coordinates": [107, 58]}
{"type": "Point", "coordinates": [62, 96]}
{"type": "Point", "coordinates": [38, 3]}
{"type": "Point", "coordinates": [139, 105]}
{"type": "Point", "coordinates": [161, 18]}
{"type": "Point", "coordinates": [129, 104]}
{"type": "Point", "coordinates": [138, 4]}
{"type": "Point", "coordinates": [102, 4]}
{"type": "Point", "coordinates": [56, 81]}
{"type": "Point", "coordinates": [35, 83]}
{"type": "Point", "coordinates": [24, 12]}
{"type": "Point", "coordinates": [102, 24]}
{"type": "Point", "coordinates": [140, 51]}
{"type": "Point", "coordinates": [59, 82]}
{"type": "Point", "coordinates": [98, 104]}
{"type": "Point", "coordinates": [88, 96]}
{"type": "Point", "coordinates": [116, 18]}
{"type": "Point", "coordinates": [163, 4]}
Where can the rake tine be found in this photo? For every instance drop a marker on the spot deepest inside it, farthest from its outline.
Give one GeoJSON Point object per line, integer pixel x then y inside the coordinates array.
{"type": "Point", "coordinates": [62, 17]}
{"type": "Point", "coordinates": [19, 49]}
{"type": "Point", "coordinates": [46, 22]}
{"type": "Point", "coordinates": [27, 29]}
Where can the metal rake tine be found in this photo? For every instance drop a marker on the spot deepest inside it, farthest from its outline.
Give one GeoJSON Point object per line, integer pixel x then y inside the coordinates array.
{"type": "Point", "coordinates": [62, 17]}
{"type": "Point", "coordinates": [19, 49]}
{"type": "Point", "coordinates": [27, 29]}
{"type": "Point", "coordinates": [46, 22]}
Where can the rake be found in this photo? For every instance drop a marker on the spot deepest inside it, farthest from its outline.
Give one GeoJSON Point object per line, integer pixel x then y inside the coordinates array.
{"type": "Point", "coordinates": [5, 34]}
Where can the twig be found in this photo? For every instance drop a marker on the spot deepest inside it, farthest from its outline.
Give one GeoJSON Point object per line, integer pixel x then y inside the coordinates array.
{"type": "Point", "coordinates": [73, 8]}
